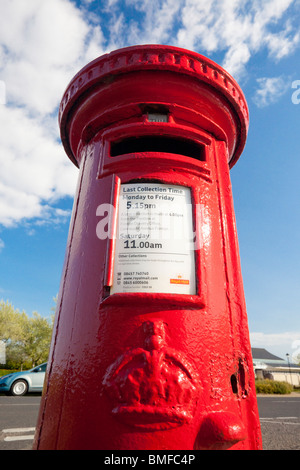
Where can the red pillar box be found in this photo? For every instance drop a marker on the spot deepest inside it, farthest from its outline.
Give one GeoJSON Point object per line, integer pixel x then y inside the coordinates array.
{"type": "Point", "coordinates": [150, 347]}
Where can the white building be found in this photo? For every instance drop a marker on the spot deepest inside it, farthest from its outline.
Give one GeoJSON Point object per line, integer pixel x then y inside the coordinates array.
{"type": "Point", "coordinates": [268, 366]}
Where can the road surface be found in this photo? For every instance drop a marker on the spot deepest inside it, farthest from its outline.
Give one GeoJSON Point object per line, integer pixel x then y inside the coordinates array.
{"type": "Point", "coordinates": [279, 417]}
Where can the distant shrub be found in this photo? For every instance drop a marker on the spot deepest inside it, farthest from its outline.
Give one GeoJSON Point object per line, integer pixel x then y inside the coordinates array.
{"type": "Point", "coordinates": [271, 386]}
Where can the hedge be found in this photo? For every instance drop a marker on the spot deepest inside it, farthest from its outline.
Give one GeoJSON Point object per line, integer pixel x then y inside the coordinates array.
{"type": "Point", "coordinates": [271, 386]}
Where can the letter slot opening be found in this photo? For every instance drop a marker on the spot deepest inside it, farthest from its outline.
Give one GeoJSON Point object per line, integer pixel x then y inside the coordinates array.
{"type": "Point", "coordinates": [161, 144]}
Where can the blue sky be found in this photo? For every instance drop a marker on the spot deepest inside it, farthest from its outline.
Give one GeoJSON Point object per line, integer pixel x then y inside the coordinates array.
{"type": "Point", "coordinates": [43, 43]}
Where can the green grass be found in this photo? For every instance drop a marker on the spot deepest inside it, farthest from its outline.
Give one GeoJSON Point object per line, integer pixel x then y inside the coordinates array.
{"type": "Point", "coordinates": [7, 371]}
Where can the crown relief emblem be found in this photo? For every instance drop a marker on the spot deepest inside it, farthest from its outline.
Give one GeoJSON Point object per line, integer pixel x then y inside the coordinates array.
{"type": "Point", "coordinates": [154, 387]}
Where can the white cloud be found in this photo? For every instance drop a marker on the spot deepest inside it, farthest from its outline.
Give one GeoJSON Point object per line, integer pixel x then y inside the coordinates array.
{"type": "Point", "coordinates": [282, 44]}
{"type": "Point", "coordinates": [236, 58]}
{"type": "Point", "coordinates": [277, 343]}
{"type": "Point", "coordinates": [34, 168]}
{"type": "Point", "coordinates": [2, 245]}
{"type": "Point", "coordinates": [43, 43]}
{"type": "Point", "coordinates": [270, 90]}
{"type": "Point", "coordinates": [240, 28]}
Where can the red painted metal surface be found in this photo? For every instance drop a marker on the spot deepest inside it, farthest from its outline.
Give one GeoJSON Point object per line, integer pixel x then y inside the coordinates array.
{"type": "Point", "coordinates": [160, 370]}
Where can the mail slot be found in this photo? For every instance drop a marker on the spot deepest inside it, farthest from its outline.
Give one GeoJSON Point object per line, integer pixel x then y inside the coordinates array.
{"type": "Point", "coordinates": [160, 144]}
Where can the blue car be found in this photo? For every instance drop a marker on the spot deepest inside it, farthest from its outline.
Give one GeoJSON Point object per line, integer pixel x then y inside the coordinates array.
{"type": "Point", "coordinates": [20, 383]}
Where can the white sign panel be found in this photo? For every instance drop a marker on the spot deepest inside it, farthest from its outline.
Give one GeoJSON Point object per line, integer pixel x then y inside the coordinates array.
{"type": "Point", "coordinates": [154, 243]}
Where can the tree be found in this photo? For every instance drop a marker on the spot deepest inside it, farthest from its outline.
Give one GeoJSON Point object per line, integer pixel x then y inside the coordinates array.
{"type": "Point", "coordinates": [36, 338]}
{"type": "Point", "coordinates": [10, 327]}
{"type": "Point", "coordinates": [27, 339]}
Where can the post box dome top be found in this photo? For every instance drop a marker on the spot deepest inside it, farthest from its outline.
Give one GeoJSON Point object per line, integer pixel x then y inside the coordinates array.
{"type": "Point", "coordinates": [155, 57]}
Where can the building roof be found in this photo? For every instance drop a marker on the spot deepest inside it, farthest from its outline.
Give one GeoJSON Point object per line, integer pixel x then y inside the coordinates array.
{"type": "Point", "coordinates": [263, 354]}
{"type": "Point", "coordinates": [262, 359]}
